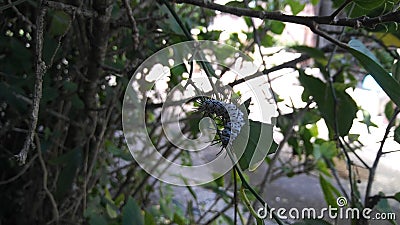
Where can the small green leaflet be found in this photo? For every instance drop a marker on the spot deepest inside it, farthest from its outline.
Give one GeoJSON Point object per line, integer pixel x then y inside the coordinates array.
{"type": "Point", "coordinates": [258, 145]}
{"type": "Point", "coordinates": [381, 76]}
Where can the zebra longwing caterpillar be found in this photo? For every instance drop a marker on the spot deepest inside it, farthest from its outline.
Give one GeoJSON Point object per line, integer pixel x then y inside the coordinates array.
{"type": "Point", "coordinates": [230, 115]}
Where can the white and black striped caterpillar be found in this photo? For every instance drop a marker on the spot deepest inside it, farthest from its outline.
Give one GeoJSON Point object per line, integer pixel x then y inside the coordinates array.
{"type": "Point", "coordinates": [228, 113]}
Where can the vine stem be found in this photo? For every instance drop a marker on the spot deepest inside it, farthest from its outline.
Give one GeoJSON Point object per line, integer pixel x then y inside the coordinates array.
{"type": "Point", "coordinates": [258, 197]}
{"type": "Point", "coordinates": [235, 167]}
{"type": "Point", "coordinates": [251, 189]}
{"type": "Point", "coordinates": [235, 196]}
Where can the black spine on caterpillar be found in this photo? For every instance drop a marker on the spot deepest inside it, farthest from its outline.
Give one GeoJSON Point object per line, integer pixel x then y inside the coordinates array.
{"type": "Point", "coordinates": [230, 115]}
{"type": "Point", "coordinates": [212, 106]}
{"type": "Point", "coordinates": [225, 136]}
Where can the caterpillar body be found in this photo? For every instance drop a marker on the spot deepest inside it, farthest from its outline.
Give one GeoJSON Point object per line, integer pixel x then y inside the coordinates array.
{"type": "Point", "coordinates": [230, 115]}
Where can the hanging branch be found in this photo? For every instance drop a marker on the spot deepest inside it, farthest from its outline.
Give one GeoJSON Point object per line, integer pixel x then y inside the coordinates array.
{"type": "Point", "coordinates": [358, 22]}
{"type": "Point", "coordinates": [40, 70]}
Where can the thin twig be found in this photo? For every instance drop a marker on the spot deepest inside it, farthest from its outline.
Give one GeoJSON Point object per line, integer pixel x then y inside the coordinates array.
{"type": "Point", "coordinates": [40, 70]}
{"type": "Point", "coordinates": [314, 28]}
{"type": "Point", "coordinates": [289, 64]}
{"type": "Point", "coordinates": [135, 31]}
{"type": "Point", "coordinates": [20, 15]}
{"type": "Point", "coordinates": [377, 158]}
{"type": "Point", "coordinates": [391, 151]}
{"type": "Point", "coordinates": [286, 137]}
{"type": "Point", "coordinates": [222, 211]}
{"type": "Point", "coordinates": [355, 154]}
{"type": "Point", "coordinates": [56, 214]}
{"type": "Point", "coordinates": [336, 177]}
{"type": "Point", "coordinates": [235, 196]}
{"type": "Point", "coordinates": [63, 35]}
{"type": "Point", "coordinates": [258, 197]}
{"type": "Point", "coordinates": [338, 10]}
{"type": "Point", "coordinates": [338, 43]}
{"type": "Point", "coordinates": [246, 184]}
{"type": "Point", "coordinates": [258, 42]}
{"type": "Point", "coordinates": [11, 4]}
{"type": "Point", "coordinates": [26, 167]}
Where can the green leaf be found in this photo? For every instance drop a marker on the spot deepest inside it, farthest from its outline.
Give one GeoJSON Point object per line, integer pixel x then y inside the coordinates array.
{"type": "Point", "coordinates": [346, 108]}
{"type": "Point", "coordinates": [149, 219]}
{"type": "Point", "coordinates": [70, 86]}
{"type": "Point", "coordinates": [277, 27]}
{"type": "Point", "coordinates": [389, 110]}
{"type": "Point", "coordinates": [176, 74]}
{"type": "Point", "coordinates": [330, 192]}
{"type": "Point", "coordinates": [397, 134]}
{"type": "Point", "coordinates": [252, 156]}
{"type": "Point", "coordinates": [246, 105]}
{"type": "Point", "coordinates": [111, 212]}
{"type": "Point", "coordinates": [59, 23]}
{"type": "Point", "coordinates": [111, 208]}
{"type": "Point", "coordinates": [273, 148]}
{"type": "Point", "coordinates": [296, 6]}
{"type": "Point", "coordinates": [311, 116]}
{"type": "Point", "coordinates": [397, 196]}
{"type": "Point", "coordinates": [327, 149]}
{"type": "Point", "coordinates": [353, 137]}
{"type": "Point", "coordinates": [209, 35]}
{"type": "Point", "coordinates": [369, 4]}
{"type": "Point", "coordinates": [166, 209]}
{"type": "Point", "coordinates": [131, 213]}
{"type": "Point", "coordinates": [117, 152]}
{"type": "Point", "coordinates": [227, 219]}
{"type": "Point", "coordinates": [97, 220]}
{"type": "Point", "coordinates": [220, 181]}
{"type": "Point", "coordinates": [367, 120]}
{"type": "Point", "coordinates": [396, 71]}
{"type": "Point", "coordinates": [236, 4]}
{"type": "Point", "coordinates": [7, 94]}
{"type": "Point", "coordinates": [383, 78]}
{"type": "Point", "coordinates": [267, 40]}
{"type": "Point", "coordinates": [116, 63]}
{"type": "Point", "coordinates": [119, 199]}
{"type": "Point", "coordinates": [49, 94]}
{"type": "Point", "coordinates": [178, 219]}
{"type": "Point", "coordinates": [384, 207]}
{"type": "Point", "coordinates": [77, 102]}
{"type": "Point", "coordinates": [314, 2]}
{"type": "Point", "coordinates": [70, 161]}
